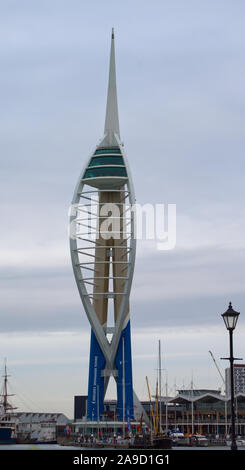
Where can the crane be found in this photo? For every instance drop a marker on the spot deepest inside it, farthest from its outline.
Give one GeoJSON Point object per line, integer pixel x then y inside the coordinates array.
{"type": "Point", "coordinates": [217, 367]}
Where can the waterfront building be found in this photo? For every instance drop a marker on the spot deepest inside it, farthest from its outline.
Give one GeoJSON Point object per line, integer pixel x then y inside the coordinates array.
{"type": "Point", "coordinates": [239, 379]}
{"type": "Point", "coordinates": [201, 411]}
{"type": "Point", "coordinates": [206, 411]}
{"type": "Point", "coordinates": [28, 425]}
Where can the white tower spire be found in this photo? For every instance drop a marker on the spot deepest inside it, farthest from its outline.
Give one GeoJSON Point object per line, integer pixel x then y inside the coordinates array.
{"type": "Point", "coordinates": [108, 275]}
{"type": "Point", "coordinates": [111, 119]}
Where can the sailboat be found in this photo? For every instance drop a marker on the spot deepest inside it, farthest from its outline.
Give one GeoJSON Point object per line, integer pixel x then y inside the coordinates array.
{"type": "Point", "coordinates": [154, 440]}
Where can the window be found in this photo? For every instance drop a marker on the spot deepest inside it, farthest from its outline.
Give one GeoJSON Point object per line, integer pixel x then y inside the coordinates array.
{"type": "Point", "coordinates": [106, 160]}
{"type": "Point", "coordinates": [105, 171]}
{"type": "Point", "coordinates": [111, 150]}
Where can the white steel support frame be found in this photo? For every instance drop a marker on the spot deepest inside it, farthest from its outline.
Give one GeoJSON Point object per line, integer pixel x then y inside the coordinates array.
{"type": "Point", "coordinates": [109, 349]}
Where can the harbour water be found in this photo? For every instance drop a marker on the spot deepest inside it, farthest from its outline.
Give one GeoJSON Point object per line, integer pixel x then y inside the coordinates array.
{"type": "Point", "coordinates": [75, 448]}
{"type": "Point", "coordinates": [36, 447]}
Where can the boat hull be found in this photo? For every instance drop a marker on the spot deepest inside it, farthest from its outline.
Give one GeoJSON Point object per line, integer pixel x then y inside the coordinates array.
{"type": "Point", "coordinates": [155, 443]}
{"type": "Point", "coordinates": [5, 436]}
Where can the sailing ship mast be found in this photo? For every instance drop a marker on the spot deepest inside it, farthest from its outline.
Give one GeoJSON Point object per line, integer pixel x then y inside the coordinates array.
{"type": "Point", "coordinates": [151, 407]}
{"type": "Point", "coordinates": [160, 385]}
{"type": "Point", "coordinates": [123, 385]}
{"type": "Point", "coordinates": [4, 395]}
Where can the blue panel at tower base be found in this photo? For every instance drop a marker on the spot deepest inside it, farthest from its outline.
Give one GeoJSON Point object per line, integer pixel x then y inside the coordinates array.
{"type": "Point", "coordinates": [127, 366]}
{"type": "Point", "coordinates": [96, 382]}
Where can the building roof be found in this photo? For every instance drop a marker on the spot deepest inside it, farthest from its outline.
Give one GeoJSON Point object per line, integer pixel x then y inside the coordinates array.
{"type": "Point", "coordinates": [30, 417]}
{"type": "Point", "coordinates": [237, 366]}
{"type": "Point", "coordinates": [198, 391]}
{"type": "Point", "coordinates": [205, 398]}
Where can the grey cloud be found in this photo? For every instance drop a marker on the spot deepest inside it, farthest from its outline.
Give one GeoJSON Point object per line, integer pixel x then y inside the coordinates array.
{"type": "Point", "coordinates": [43, 299]}
{"type": "Point", "coordinates": [181, 107]}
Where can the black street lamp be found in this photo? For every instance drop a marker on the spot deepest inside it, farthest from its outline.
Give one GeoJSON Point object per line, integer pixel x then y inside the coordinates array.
{"type": "Point", "coordinates": [230, 318]}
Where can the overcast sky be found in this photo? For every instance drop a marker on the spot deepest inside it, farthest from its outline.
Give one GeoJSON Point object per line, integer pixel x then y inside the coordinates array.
{"type": "Point", "coordinates": [181, 95]}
